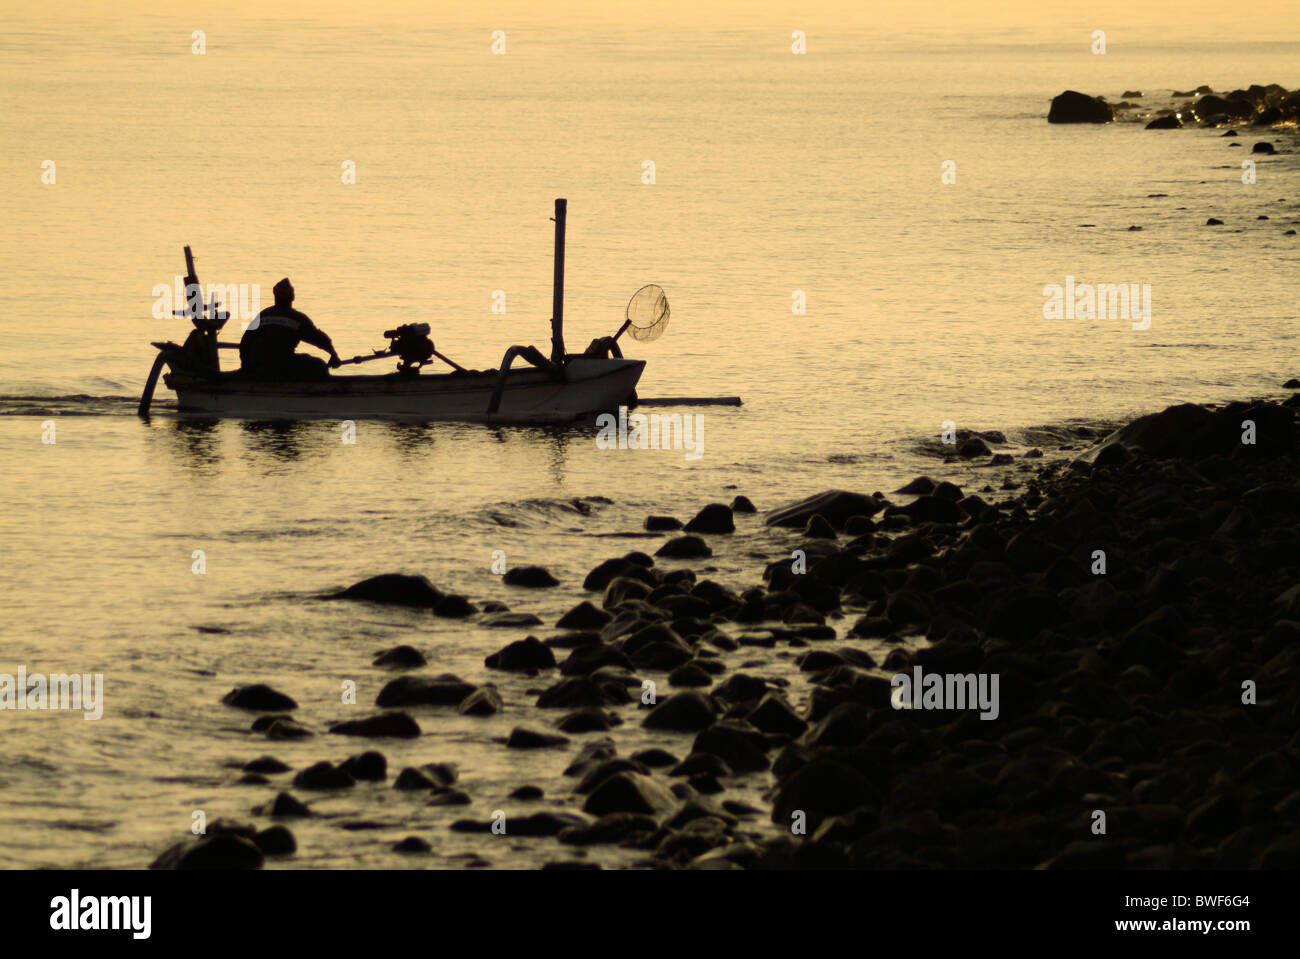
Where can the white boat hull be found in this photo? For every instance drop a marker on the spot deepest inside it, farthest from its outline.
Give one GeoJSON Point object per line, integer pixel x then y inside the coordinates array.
{"type": "Point", "coordinates": [591, 385]}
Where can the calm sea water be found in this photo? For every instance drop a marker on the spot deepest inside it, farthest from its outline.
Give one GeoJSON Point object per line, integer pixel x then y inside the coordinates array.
{"type": "Point", "coordinates": [774, 174]}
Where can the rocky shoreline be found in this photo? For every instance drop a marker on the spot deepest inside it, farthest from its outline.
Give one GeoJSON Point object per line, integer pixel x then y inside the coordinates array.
{"type": "Point", "coordinates": [1137, 611]}
{"type": "Point", "coordinates": [1260, 106]}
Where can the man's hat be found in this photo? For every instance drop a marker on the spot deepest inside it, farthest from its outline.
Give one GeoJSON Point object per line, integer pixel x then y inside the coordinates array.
{"type": "Point", "coordinates": [284, 286]}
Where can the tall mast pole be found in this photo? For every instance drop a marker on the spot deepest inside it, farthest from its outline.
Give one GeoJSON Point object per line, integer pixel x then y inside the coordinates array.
{"type": "Point", "coordinates": [557, 300]}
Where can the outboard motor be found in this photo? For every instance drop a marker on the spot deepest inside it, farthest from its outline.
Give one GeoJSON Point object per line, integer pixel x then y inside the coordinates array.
{"type": "Point", "coordinates": [411, 343]}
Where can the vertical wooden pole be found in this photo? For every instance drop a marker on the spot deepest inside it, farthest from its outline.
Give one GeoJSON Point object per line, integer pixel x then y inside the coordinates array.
{"type": "Point", "coordinates": [557, 302]}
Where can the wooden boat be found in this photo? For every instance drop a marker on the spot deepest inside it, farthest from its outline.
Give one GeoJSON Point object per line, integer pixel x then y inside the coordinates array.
{"type": "Point", "coordinates": [529, 395]}
{"type": "Point", "coordinates": [562, 388]}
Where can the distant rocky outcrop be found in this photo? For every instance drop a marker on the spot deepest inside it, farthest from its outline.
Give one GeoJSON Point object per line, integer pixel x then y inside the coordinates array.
{"type": "Point", "coordinates": [1074, 107]}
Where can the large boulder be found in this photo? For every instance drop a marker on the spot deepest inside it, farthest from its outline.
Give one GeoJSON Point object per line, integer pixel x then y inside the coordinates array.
{"type": "Point", "coordinates": [837, 506]}
{"type": "Point", "coordinates": [1074, 107]}
{"type": "Point", "coordinates": [396, 588]}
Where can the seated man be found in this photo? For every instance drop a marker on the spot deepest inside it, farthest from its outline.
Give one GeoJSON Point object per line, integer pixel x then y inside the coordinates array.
{"type": "Point", "coordinates": [267, 348]}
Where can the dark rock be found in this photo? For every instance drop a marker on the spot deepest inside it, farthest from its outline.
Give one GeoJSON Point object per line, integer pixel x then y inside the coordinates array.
{"type": "Point", "coordinates": [276, 841]}
{"type": "Point", "coordinates": [1074, 107]}
{"type": "Point", "coordinates": [395, 588]}
{"type": "Point", "coordinates": [265, 764]}
{"type": "Point", "coordinates": [258, 698]}
{"type": "Point", "coordinates": [684, 547]}
{"type": "Point", "coordinates": [288, 729]}
{"type": "Point", "coordinates": [589, 719]}
{"type": "Point", "coordinates": [484, 701]}
{"type": "Point", "coordinates": [412, 844]}
{"type": "Point", "coordinates": [218, 851]}
{"type": "Point", "coordinates": [510, 620]}
{"type": "Point", "coordinates": [662, 524]}
{"type": "Point", "coordinates": [714, 518]}
{"type": "Point", "coordinates": [655, 757]}
{"type": "Point", "coordinates": [1212, 221]}
{"type": "Point", "coordinates": [741, 504]}
{"type": "Point", "coordinates": [682, 712]}
{"type": "Point", "coordinates": [411, 779]}
{"type": "Point", "coordinates": [1263, 146]}
{"type": "Point", "coordinates": [971, 447]}
{"type": "Point", "coordinates": [819, 528]}
{"type": "Point", "coordinates": [370, 766]}
{"type": "Point", "coordinates": [628, 792]}
{"type": "Point", "coordinates": [527, 793]}
{"type": "Point", "coordinates": [837, 506]}
{"type": "Point", "coordinates": [1173, 121]}
{"type": "Point", "coordinates": [444, 690]}
{"type": "Point", "coordinates": [323, 775]}
{"type": "Point", "coordinates": [521, 738]}
{"type": "Point", "coordinates": [400, 657]}
{"type": "Point", "coordinates": [690, 674]}
{"type": "Point", "coordinates": [396, 725]}
{"type": "Point", "coordinates": [533, 577]}
{"type": "Point", "coordinates": [524, 655]}
{"type": "Point", "coordinates": [287, 806]}
{"type": "Point", "coordinates": [583, 616]}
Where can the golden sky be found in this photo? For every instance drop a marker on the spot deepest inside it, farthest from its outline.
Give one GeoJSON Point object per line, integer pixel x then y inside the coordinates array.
{"type": "Point", "coordinates": [1211, 19]}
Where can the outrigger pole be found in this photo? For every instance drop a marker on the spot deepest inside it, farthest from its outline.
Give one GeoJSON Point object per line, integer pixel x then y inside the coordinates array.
{"type": "Point", "coordinates": [557, 295]}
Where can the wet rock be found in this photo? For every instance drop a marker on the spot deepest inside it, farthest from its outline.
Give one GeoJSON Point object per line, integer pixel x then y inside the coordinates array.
{"type": "Point", "coordinates": [524, 655]}
{"type": "Point", "coordinates": [453, 606]}
{"type": "Point", "coordinates": [682, 712]}
{"type": "Point", "coordinates": [510, 620]}
{"type": "Point", "coordinates": [1132, 94]}
{"type": "Point", "coordinates": [287, 729]}
{"type": "Point", "coordinates": [287, 806]}
{"type": "Point", "coordinates": [413, 780]}
{"type": "Point", "coordinates": [1213, 221]}
{"type": "Point", "coordinates": [533, 577]}
{"type": "Point", "coordinates": [444, 690]}
{"type": "Point", "coordinates": [837, 506]}
{"type": "Point", "coordinates": [252, 779]}
{"type": "Point", "coordinates": [714, 518]}
{"type": "Point", "coordinates": [521, 738]}
{"type": "Point", "coordinates": [690, 674]}
{"type": "Point", "coordinates": [589, 720]}
{"type": "Point", "coordinates": [684, 547]}
{"type": "Point", "coordinates": [1173, 121]}
{"type": "Point", "coordinates": [698, 764]}
{"type": "Point", "coordinates": [819, 527]}
{"type": "Point", "coordinates": [394, 588]}
{"type": "Point", "coordinates": [579, 691]}
{"type": "Point", "coordinates": [612, 569]}
{"type": "Point", "coordinates": [821, 789]}
{"type": "Point", "coordinates": [741, 504]}
{"type": "Point", "coordinates": [610, 829]}
{"type": "Point", "coordinates": [583, 616]}
{"type": "Point", "coordinates": [412, 844]}
{"type": "Point", "coordinates": [655, 758]}
{"type": "Point", "coordinates": [774, 715]}
{"type": "Point", "coordinates": [219, 851]}
{"type": "Point", "coordinates": [484, 701]}
{"type": "Point", "coordinates": [544, 823]}
{"type": "Point", "coordinates": [276, 841]}
{"type": "Point", "coordinates": [323, 775]}
{"type": "Point", "coordinates": [972, 447]}
{"type": "Point", "coordinates": [396, 725]}
{"type": "Point", "coordinates": [628, 792]}
{"type": "Point", "coordinates": [917, 487]}
{"type": "Point", "coordinates": [738, 744]}
{"type": "Point", "coordinates": [400, 657]}
{"type": "Point", "coordinates": [258, 698]}
{"type": "Point", "coordinates": [527, 793]}
{"type": "Point", "coordinates": [1074, 107]}
{"type": "Point", "coordinates": [370, 766]}
{"type": "Point", "coordinates": [1263, 146]}
{"type": "Point", "coordinates": [265, 764]}
{"type": "Point", "coordinates": [662, 524]}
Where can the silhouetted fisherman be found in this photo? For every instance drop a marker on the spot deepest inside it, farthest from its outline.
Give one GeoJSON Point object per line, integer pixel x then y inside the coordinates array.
{"type": "Point", "coordinates": [267, 347]}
